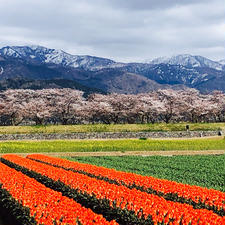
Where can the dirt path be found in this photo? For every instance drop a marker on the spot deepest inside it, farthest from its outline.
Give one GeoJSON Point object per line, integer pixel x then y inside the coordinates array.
{"type": "Point", "coordinates": [126, 153]}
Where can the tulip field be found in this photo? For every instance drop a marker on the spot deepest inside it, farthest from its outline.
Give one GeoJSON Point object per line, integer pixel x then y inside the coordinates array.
{"type": "Point", "coordinates": [39, 189]}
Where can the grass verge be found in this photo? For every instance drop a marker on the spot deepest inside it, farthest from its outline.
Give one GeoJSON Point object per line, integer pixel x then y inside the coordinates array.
{"type": "Point", "coordinates": [110, 128]}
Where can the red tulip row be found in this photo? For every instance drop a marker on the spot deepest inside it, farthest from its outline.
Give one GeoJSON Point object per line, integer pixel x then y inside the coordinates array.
{"type": "Point", "coordinates": [46, 206]}
{"type": "Point", "coordinates": [208, 197]}
{"type": "Point", "coordinates": [143, 204]}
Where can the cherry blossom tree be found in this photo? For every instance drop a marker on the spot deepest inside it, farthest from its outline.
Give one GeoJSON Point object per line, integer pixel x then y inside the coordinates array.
{"type": "Point", "coordinates": [67, 105]}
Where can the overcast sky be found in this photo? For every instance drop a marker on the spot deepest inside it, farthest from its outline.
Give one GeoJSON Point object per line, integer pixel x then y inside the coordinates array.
{"type": "Point", "coordinates": [123, 30]}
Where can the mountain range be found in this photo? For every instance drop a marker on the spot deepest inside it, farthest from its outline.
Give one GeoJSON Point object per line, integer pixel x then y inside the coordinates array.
{"type": "Point", "coordinates": [37, 67]}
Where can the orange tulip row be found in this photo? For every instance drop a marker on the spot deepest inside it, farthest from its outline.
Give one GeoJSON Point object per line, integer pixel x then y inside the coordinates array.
{"type": "Point", "coordinates": [209, 197]}
{"type": "Point", "coordinates": [48, 207]}
{"type": "Point", "coordinates": [122, 197]}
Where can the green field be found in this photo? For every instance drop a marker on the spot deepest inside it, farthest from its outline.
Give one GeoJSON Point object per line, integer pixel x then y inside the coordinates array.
{"type": "Point", "coordinates": [205, 171]}
{"type": "Point", "coordinates": [217, 143]}
{"type": "Point", "coordinates": [109, 128]}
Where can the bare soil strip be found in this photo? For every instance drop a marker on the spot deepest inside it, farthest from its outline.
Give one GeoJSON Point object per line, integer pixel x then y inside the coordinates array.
{"type": "Point", "coordinates": [127, 153]}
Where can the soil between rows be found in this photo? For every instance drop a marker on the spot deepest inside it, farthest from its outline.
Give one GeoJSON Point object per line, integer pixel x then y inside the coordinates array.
{"type": "Point", "coordinates": [127, 153]}
{"type": "Point", "coordinates": [5, 221]}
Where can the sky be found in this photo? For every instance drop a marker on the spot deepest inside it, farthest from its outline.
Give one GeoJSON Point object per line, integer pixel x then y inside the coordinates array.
{"type": "Point", "coordinates": [123, 30]}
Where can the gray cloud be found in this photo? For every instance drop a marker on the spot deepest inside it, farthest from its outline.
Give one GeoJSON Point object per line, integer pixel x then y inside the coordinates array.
{"type": "Point", "coordinates": [152, 4]}
{"type": "Point", "coordinates": [123, 30]}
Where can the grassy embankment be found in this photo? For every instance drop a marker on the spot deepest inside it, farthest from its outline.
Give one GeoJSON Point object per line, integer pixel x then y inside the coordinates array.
{"type": "Point", "coordinates": [217, 143]}
{"type": "Point", "coordinates": [205, 171]}
{"type": "Point", "coordinates": [109, 128]}
{"type": "Point", "coordinates": [110, 145]}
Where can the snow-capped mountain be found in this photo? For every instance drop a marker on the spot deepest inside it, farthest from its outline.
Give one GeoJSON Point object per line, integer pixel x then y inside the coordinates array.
{"type": "Point", "coordinates": [189, 61]}
{"type": "Point", "coordinates": [44, 65]}
{"type": "Point", "coordinates": [45, 55]}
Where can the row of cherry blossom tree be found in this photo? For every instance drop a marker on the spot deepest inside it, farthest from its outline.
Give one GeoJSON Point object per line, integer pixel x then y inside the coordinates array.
{"type": "Point", "coordinates": [68, 106]}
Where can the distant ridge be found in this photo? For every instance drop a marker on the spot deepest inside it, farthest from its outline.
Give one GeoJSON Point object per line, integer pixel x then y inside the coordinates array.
{"type": "Point", "coordinates": [189, 61]}
{"type": "Point", "coordinates": [41, 65]}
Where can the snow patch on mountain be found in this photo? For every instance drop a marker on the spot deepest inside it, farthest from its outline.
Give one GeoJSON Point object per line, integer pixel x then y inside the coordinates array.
{"type": "Point", "coordinates": [1, 70]}
{"type": "Point", "coordinates": [222, 62]}
{"type": "Point", "coordinates": [10, 52]}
